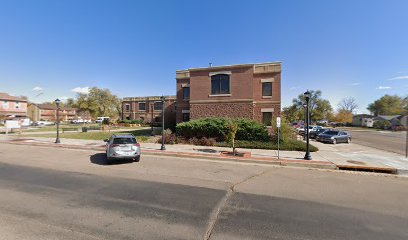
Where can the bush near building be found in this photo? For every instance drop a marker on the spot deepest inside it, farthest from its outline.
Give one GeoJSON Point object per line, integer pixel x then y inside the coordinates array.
{"type": "Point", "coordinates": [218, 128]}
{"type": "Point", "coordinates": [250, 134]}
{"type": "Point", "coordinates": [382, 124]}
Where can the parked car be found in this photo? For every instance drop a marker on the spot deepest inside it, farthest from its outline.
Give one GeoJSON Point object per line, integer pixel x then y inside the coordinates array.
{"type": "Point", "coordinates": [122, 147]}
{"type": "Point", "coordinates": [102, 119]}
{"type": "Point", "coordinates": [315, 133]}
{"type": "Point", "coordinates": [334, 136]}
{"type": "Point", "coordinates": [311, 129]}
{"type": "Point", "coordinates": [43, 123]}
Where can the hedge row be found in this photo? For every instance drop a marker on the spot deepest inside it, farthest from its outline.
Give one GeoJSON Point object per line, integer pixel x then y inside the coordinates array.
{"type": "Point", "coordinates": [217, 128]}
{"type": "Point", "coordinates": [288, 145]}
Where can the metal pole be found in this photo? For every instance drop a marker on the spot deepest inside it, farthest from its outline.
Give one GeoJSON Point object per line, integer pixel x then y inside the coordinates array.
{"type": "Point", "coordinates": [307, 155]}
{"type": "Point", "coordinates": [406, 140]}
{"type": "Point", "coordinates": [57, 140]}
{"type": "Point", "coordinates": [278, 140]}
{"type": "Point", "coordinates": [151, 120]}
{"type": "Point", "coordinates": [162, 142]}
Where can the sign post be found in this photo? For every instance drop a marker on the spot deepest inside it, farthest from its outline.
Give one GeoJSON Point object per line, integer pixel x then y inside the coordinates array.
{"type": "Point", "coordinates": [278, 125]}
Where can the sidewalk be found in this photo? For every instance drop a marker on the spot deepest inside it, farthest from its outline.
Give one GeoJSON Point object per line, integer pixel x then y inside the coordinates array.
{"type": "Point", "coordinates": [341, 156]}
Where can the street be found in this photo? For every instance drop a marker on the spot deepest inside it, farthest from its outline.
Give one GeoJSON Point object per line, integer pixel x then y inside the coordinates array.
{"type": "Point", "coordinates": [50, 193]}
{"type": "Point", "coordinates": [384, 140]}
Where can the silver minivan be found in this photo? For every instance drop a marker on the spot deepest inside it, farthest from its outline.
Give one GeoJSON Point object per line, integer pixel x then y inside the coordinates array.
{"type": "Point", "coordinates": [122, 147]}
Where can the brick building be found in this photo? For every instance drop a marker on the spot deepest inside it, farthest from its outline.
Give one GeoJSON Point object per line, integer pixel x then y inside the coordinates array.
{"type": "Point", "coordinates": [48, 112]}
{"type": "Point", "coordinates": [148, 108]}
{"type": "Point", "coordinates": [238, 91]}
{"type": "Point", "coordinates": [12, 107]}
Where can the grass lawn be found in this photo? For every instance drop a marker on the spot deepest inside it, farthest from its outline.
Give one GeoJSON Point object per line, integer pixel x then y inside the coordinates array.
{"type": "Point", "coordinates": [143, 135]}
{"type": "Point", "coordinates": [54, 127]}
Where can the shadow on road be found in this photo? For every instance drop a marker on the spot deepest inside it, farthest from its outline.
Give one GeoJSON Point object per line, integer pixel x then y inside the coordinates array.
{"type": "Point", "coordinates": [100, 159]}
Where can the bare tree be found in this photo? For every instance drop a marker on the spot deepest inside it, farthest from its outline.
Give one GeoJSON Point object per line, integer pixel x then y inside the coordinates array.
{"type": "Point", "coordinates": [347, 104]}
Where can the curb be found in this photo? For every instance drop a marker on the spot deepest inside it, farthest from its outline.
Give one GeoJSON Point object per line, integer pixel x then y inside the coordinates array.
{"type": "Point", "coordinates": [270, 161]}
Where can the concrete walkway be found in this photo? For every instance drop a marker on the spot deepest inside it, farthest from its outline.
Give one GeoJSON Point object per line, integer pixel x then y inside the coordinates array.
{"type": "Point", "coordinates": [343, 156]}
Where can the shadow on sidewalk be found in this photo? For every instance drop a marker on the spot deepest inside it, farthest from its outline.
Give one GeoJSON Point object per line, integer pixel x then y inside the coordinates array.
{"type": "Point", "coordinates": [100, 159]}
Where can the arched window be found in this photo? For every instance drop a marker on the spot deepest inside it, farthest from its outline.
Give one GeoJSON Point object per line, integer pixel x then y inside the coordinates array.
{"type": "Point", "coordinates": [220, 84]}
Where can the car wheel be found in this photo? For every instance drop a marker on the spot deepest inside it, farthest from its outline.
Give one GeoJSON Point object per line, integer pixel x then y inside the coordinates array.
{"type": "Point", "coordinates": [107, 161]}
{"type": "Point", "coordinates": [334, 141]}
{"type": "Point", "coordinates": [137, 159]}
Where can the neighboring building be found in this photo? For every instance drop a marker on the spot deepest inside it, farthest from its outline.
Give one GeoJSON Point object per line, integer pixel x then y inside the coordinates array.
{"type": "Point", "coordinates": [12, 107]}
{"type": "Point", "coordinates": [149, 109]}
{"type": "Point", "coordinates": [363, 120]}
{"type": "Point", "coordinates": [238, 91]}
{"type": "Point", "coordinates": [48, 112]}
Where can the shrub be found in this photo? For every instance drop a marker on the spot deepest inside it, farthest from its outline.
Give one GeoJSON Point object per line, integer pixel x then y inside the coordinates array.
{"type": "Point", "coordinates": [131, 121]}
{"type": "Point", "coordinates": [381, 124]}
{"type": "Point", "coordinates": [288, 145]}
{"type": "Point", "coordinates": [169, 137]}
{"type": "Point", "coordinates": [286, 133]}
{"type": "Point", "coordinates": [218, 128]}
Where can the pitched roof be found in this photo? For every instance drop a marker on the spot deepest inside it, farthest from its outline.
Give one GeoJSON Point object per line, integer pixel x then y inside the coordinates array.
{"type": "Point", "coordinates": [5, 96]}
{"type": "Point", "coordinates": [388, 117]}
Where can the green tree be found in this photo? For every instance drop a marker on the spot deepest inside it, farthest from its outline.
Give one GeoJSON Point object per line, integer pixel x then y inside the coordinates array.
{"type": "Point", "coordinates": [232, 127]}
{"type": "Point", "coordinates": [319, 108]}
{"type": "Point", "coordinates": [388, 105]}
{"type": "Point", "coordinates": [99, 102]}
{"type": "Point", "coordinates": [293, 113]}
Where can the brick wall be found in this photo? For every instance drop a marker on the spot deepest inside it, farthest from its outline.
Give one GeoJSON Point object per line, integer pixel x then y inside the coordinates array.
{"type": "Point", "coordinates": [233, 110]}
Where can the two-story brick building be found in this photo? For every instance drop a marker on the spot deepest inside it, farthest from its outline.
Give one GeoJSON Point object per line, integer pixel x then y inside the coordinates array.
{"type": "Point", "coordinates": [149, 109]}
{"type": "Point", "coordinates": [238, 91]}
{"type": "Point", "coordinates": [12, 107]}
{"type": "Point", "coordinates": [48, 112]}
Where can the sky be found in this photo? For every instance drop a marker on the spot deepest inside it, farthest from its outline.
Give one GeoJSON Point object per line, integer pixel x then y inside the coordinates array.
{"type": "Point", "coordinates": [54, 49]}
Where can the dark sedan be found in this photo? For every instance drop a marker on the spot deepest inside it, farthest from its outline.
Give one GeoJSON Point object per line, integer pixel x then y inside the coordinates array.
{"type": "Point", "coordinates": [334, 136]}
{"type": "Point", "coordinates": [314, 134]}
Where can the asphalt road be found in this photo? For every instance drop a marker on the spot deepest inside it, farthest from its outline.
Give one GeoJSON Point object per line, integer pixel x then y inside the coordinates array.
{"type": "Point", "coordinates": [48, 193]}
{"type": "Point", "coordinates": [384, 140]}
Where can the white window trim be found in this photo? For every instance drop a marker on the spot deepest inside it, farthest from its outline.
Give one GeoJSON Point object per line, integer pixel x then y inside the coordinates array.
{"type": "Point", "coordinates": [127, 104]}
{"type": "Point", "coordinates": [185, 111]}
{"type": "Point", "coordinates": [267, 110]}
{"type": "Point", "coordinates": [185, 85]}
{"type": "Point", "coordinates": [222, 72]}
{"type": "Point", "coordinates": [267, 80]}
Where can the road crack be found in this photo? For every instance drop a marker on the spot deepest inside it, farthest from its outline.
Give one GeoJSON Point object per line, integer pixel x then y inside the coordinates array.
{"type": "Point", "coordinates": [222, 203]}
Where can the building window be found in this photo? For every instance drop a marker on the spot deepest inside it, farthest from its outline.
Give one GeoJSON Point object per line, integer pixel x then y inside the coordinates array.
{"type": "Point", "coordinates": [220, 84]}
{"type": "Point", "coordinates": [266, 89]}
{"type": "Point", "coordinates": [186, 93]}
{"type": "Point", "coordinates": [17, 105]}
{"type": "Point", "coordinates": [5, 104]}
{"type": "Point", "coordinates": [142, 106]}
{"type": "Point", "coordinates": [127, 107]}
{"type": "Point", "coordinates": [186, 117]}
{"type": "Point", "coordinates": [267, 118]}
{"type": "Point", "coordinates": [157, 106]}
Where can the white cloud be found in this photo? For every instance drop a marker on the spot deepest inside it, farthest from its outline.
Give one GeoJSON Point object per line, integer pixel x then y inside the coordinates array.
{"type": "Point", "coordinates": [383, 87]}
{"type": "Point", "coordinates": [84, 90]}
{"type": "Point", "coordinates": [355, 84]}
{"type": "Point", "coordinates": [64, 98]}
{"type": "Point", "coordinates": [399, 78]}
{"type": "Point", "coordinates": [37, 88]}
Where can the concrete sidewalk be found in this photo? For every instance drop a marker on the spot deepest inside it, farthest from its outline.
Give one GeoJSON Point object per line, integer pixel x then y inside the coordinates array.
{"type": "Point", "coordinates": [340, 156]}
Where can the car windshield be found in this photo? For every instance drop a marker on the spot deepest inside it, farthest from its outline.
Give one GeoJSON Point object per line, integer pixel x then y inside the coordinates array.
{"type": "Point", "coordinates": [331, 132]}
{"type": "Point", "coordinates": [125, 140]}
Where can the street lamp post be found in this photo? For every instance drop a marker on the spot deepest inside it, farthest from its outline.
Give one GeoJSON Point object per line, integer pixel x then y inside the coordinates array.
{"type": "Point", "coordinates": [162, 142]}
{"type": "Point", "coordinates": [57, 102]}
{"type": "Point", "coordinates": [151, 121]}
{"type": "Point", "coordinates": [307, 155]}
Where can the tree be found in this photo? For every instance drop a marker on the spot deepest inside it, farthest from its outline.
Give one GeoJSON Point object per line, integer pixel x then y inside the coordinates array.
{"type": "Point", "coordinates": [319, 108]}
{"type": "Point", "coordinates": [99, 102]}
{"type": "Point", "coordinates": [388, 105]}
{"type": "Point", "coordinates": [343, 116]}
{"type": "Point", "coordinates": [232, 127]}
{"type": "Point", "coordinates": [347, 104]}
{"type": "Point", "coordinates": [292, 113]}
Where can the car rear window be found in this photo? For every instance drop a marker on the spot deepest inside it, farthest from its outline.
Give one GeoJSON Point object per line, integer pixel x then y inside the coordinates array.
{"type": "Point", "coordinates": [332, 132]}
{"type": "Point", "coordinates": [124, 140]}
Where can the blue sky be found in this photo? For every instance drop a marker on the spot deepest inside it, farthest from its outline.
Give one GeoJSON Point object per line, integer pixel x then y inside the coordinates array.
{"type": "Point", "coordinates": [345, 48]}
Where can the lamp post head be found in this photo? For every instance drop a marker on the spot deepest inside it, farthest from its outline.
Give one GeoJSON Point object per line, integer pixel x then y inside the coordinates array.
{"type": "Point", "coordinates": [57, 101]}
{"type": "Point", "coordinates": [307, 95]}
